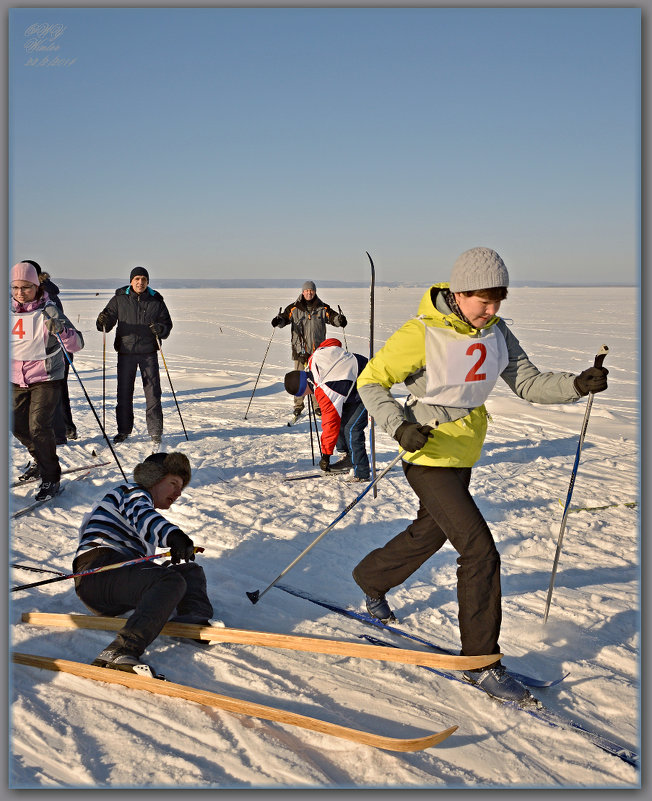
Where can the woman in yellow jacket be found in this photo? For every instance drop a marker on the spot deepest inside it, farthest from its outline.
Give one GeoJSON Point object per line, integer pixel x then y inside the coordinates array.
{"type": "Point", "coordinates": [449, 357]}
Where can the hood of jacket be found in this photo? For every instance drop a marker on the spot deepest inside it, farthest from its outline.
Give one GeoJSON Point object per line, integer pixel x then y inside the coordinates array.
{"type": "Point", "coordinates": [428, 309]}
{"type": "Point", "coordinates": [330, 343]}
{"type": "Point", "coordinates": [127, 290]}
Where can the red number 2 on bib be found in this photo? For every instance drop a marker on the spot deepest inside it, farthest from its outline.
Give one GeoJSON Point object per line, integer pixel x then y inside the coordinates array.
{"type": "Point", "coordinates": [473, 374]}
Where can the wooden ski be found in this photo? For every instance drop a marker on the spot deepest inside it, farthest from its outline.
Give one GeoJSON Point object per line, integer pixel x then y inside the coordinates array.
{"type": "Point", "coordinates": [290, 642]}
{"type": "Point", "coordinates": [229, 704]}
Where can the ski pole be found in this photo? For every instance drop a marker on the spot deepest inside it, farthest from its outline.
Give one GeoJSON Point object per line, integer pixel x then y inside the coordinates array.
{"type": "Point", "coordinates": [102, 429]}
{"type": "Point", "coordinates": [313, 417]}
{"type": "Point", "coordinates": [310, 416]}
{"type": "Point", "coordinates": [160, 347]}
{"type": "Point", "coordinates": [372, 432]}
{"type": "Point", "coordinates": [261, 369]}
{"type": "Point", "coordinates": [346, 346]}
{"type": "Point", "coordinates": [599, 359]}
{"type": "Point", "coordinates": [64, 576]}
{"type": "Point", "coordinates": [256, 595]}
{"type": "Point", "coordinates": [104, 376]}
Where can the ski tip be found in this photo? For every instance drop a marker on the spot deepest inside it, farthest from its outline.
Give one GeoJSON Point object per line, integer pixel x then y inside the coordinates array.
{"type": "Point", "coordinates": [253, 596]}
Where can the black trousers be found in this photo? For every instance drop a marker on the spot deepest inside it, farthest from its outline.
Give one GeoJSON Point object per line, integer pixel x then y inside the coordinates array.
{"type": "Point", "coordinates": [128, 365]}
{"type": "Point", "coordinates": [63, 421]}
{"type": "Point", "coordinates": [446, 512]}
{"type": "Point", "coordinates": [152, 591]}
{"type": "Point", "coordinates": [33, 413]}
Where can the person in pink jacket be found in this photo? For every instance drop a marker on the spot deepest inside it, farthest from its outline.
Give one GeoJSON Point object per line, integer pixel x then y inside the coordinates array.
{"type": "Point", "coordinates": [38, 329]}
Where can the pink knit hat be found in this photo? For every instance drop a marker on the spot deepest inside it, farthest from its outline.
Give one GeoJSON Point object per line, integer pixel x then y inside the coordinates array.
{"type": "Point", "coordinates": [24, 271]}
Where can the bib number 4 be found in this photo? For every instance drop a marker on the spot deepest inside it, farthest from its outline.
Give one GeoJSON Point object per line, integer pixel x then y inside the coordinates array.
{"type": "Point", "coordinates": [18, 331]}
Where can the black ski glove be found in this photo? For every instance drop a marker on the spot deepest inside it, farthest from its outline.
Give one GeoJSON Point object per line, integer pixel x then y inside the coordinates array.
{"type": "Point", "coordinates": [181, 547]}
{"type": "Point", "coordinates": [156, 329]}
{"type": "Point", "coordinates": [412, 436]}
{"type": "Point", "coordinates": [343, 321]}
{"type": "Point", "coordinates": [277, 321]}
{"type": "Point", "coordinates": [324, 463]}
{"type": "Point", "coordinates": [101, 322]}
{"type": "Point", "coordinates": [594, 379]}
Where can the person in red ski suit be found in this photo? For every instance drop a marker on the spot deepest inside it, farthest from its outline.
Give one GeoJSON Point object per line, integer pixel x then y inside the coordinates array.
{"type": "Point", "coordinates": [331, 376]}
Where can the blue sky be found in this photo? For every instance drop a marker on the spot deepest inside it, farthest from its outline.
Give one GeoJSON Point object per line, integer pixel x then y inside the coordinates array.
{"type": "Point", "coordinates": [280, 142]}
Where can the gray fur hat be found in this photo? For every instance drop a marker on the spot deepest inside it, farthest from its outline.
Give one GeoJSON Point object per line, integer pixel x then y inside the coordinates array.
{"type": "Point", "coordinates": [159, 465]}
{"type": "Point", "coordinates": [478, 268]}
{"type": "Point", "coordinates": [309, 285]}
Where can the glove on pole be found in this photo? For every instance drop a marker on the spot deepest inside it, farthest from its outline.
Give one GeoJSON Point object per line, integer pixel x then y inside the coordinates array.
{"type": "Point", "coordinates": [256, 595]}
{"type": "Point", "coordinates": [64, 576]}
{"type": "Point", "coordinates": [598, 363]}
{"type": "Point", "coordinates": [260, 371]}
{"type": "Point", "coordinates": [160, 347]}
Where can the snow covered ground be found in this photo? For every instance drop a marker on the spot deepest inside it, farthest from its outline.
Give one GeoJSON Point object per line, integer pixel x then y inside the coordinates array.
{"type": "Point", "coordinates": [69, 732]}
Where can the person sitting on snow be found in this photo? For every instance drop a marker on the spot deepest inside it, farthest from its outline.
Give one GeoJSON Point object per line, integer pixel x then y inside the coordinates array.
{"type": "Point", "coordinates": [125, 525]}
{"type": "Point", "coordinates": [331, 376]}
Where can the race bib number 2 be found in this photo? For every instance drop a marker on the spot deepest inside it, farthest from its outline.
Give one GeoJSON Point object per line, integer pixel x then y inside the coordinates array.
{"type": "Point", "coordinates": [466, 362]}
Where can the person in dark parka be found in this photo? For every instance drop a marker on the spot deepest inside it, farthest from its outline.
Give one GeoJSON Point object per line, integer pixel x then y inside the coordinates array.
{"type": "Point", "coordinates": [142, 321]}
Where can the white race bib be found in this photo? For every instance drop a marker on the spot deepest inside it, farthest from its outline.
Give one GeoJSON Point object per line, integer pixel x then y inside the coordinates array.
{"type": "Point", "coordinates": [28, 336]}
{"type": "Point", "coordinates": [461, 371]}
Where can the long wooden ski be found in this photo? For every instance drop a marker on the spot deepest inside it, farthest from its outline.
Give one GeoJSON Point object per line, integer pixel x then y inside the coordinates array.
{"type": "Point", "coordinates": [229, 704]}
{"type": "Point", "coordinates": [290, 642]}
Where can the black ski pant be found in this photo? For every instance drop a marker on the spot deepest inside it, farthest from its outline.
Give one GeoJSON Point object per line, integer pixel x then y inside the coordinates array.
{"type": "Point", "coordinates": [351, 438]}
{"type": "Point", "coordinates": [33, 413]}
{"type": "Point", "coordinates": [152, 591]}
{"type": "Point", "coordinates": [128, 365]}
{"type": "Point", "coordinates": [63, 422]}
{"type": "Point", "coordinates": [446, 512]}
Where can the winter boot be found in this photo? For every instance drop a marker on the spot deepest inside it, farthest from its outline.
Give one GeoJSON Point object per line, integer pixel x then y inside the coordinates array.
{"type": "Point", "coordinates": [498, 683]}
{"type": "Point", "coordinates": [295, 416]}
{"type": "Point", "coordinates": [120, 437]}
{"type": "Point", "coordinates": [379, 608]}
{"type": "Point", "coordinates": [31, 471]}
{"type": "Point", "coordinates": [343, 465]}
{"type": "Point", "coordinates": [71, 432]}
{"type": "Point", "coordinates": [47, 490]}
{"type": "Point", "coordinates": [117, 658]}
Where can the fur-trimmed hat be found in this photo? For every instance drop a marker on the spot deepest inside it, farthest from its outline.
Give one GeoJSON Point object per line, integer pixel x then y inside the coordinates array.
{"type": "Point", "coordinates": [476, 269]}
{"type": "Point", "coordinates": [159, 465]}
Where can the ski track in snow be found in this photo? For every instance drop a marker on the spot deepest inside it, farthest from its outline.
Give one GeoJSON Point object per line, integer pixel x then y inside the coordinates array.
{"type": "Point", "coordinates": [72, 732]}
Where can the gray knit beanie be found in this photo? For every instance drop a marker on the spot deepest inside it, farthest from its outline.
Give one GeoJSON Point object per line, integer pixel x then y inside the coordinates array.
{"type": "Point", "coordinates": [478, 268]}
{"type": "Point", "coordinates": [159, 465]}
{"type": "Point", "coordinates": [309, 285]}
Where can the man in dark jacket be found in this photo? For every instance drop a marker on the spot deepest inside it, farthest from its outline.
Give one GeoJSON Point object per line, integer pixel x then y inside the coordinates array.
{"type": "Point", "coordinates": [308, 316]}
{"type": "Point", "coordinates": [143, 320]}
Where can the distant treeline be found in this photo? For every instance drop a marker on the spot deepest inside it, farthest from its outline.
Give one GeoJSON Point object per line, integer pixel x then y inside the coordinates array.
{"type": "Point", "coordinates": [262, 283]}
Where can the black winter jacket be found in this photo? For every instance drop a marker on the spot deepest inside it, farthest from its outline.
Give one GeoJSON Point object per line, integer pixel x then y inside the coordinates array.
{"type": "Point", "coordinates": [134, 314]}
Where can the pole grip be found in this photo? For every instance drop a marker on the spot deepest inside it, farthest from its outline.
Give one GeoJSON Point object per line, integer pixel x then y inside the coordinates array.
{"type": "Point", "coordinates": [600, 357]}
